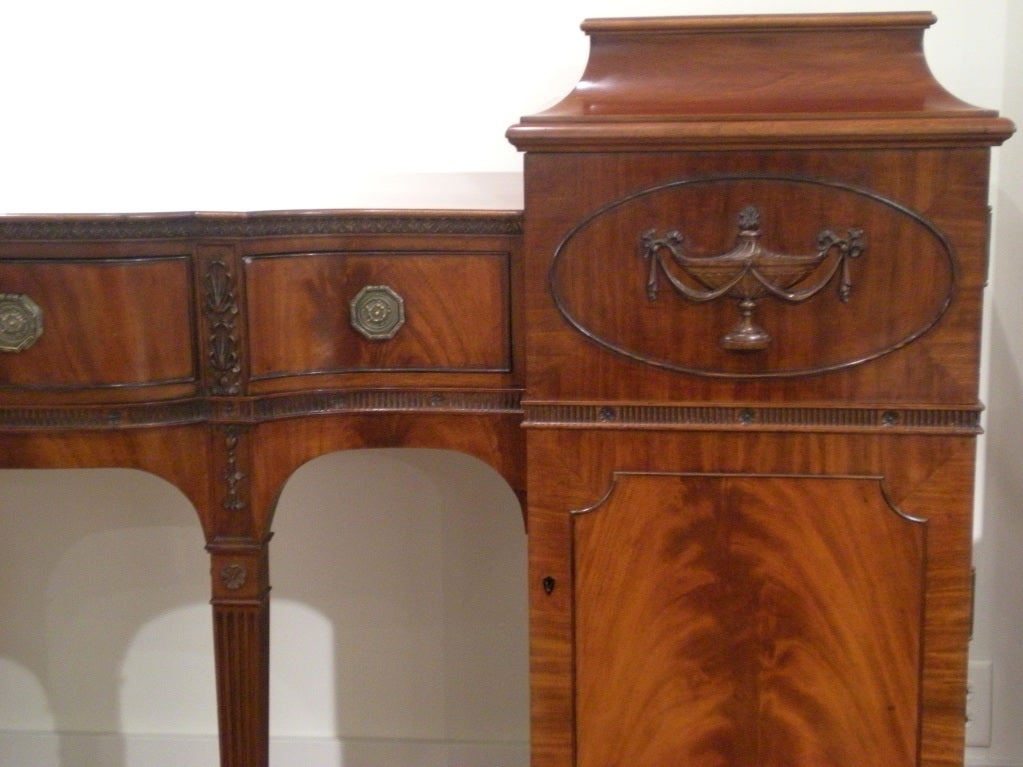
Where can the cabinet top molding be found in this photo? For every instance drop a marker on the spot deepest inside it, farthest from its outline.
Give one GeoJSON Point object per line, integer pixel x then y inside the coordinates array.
{"type": "Point", "coordinates": [756, 23]}
{"type": "Point", "coordinates": [737, 82]}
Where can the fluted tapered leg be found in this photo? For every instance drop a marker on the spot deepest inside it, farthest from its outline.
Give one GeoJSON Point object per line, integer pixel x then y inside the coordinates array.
{"type": "Point", "coordinates": [241, 628]}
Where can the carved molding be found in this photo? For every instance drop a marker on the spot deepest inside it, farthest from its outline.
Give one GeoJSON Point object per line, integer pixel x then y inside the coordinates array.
{"type": "Point", "coordinates": [752, 417]}
{"type": "Point", "coordinates": [237, 411]}
{"type": "Point", "coordinates": [104, 416]}
{"type": "Point", "coordinates": [537, 414]}
{"type": "Point", "coordinates": [200, 225]}
{"type": "Point", "coordinates": [389, 400]}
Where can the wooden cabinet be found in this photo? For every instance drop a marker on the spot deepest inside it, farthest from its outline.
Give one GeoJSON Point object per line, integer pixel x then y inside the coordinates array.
{"type": "Point", "coordinates": [729, 352]}
{"type": "Point", "coordinates": [762, 244]}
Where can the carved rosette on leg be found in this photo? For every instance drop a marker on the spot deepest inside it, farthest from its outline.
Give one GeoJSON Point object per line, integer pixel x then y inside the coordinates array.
{"type": "Point", "coordinates": [749, 272]}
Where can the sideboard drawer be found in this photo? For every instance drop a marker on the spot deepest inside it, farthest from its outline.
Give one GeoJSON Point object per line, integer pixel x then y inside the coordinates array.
{"type": "Point", "coordinates": [453, 307]}
{"type": "Point", "coordinates": [116, 325]}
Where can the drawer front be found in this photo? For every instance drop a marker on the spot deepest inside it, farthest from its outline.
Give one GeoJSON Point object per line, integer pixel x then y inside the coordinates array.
{"type": "Point", "coordinates": [115, 324]}
{"type": "Point", "coordinates": [358, 311]}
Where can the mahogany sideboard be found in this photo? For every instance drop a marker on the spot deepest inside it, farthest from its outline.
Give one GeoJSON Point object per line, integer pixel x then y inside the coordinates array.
{"type": "Point", "coordinates": [727, 355]}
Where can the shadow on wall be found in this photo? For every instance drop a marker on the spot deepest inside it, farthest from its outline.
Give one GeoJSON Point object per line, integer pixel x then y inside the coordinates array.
{"type": "Point", "coordinates": [87, 558]}
{"type": "Point", "coordinates": [999, 568]}
{"type": "Point", "coordinates": [398, 617]}
{"type": "Point", "coordinates": [417, 561]}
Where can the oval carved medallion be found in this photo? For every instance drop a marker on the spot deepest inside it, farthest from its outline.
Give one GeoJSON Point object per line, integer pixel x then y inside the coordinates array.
{"type": "Point", "coordinates": [633, 276]}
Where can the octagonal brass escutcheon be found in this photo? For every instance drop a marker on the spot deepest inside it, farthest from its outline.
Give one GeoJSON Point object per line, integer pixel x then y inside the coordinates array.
{"type": "Point", "coordinates": [377, 312]}
{"type": "Point", "coordinates": [21, 322]}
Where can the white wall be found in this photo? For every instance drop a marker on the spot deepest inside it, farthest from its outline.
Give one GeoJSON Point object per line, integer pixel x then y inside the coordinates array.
{"type": "Point", "coordinates": [117, 106]}
{"type": "Point", "coordinates": [999, 609]}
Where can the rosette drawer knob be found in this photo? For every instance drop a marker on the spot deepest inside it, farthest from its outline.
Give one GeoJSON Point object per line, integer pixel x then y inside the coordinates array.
{"type": "Point", "coordinates": [377, 312]}
{"type": "Point", "coordinates": [21, 322]}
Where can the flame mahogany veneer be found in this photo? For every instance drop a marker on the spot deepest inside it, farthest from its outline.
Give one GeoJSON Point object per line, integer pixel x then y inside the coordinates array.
{"type": "Point", "coordinates": [729, 353]}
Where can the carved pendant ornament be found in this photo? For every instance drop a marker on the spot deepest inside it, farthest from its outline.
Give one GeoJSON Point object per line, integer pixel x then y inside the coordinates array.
{"type": "Point", "coordinates": [749, 272]}
{"type": "Point", "coordinates": [234, 477]}
{"type": "Point", "coordinates": [221, 311]}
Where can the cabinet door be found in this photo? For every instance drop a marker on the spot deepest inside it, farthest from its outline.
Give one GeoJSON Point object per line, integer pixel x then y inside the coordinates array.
{"type": "Point", "coordinates": [741, 620]}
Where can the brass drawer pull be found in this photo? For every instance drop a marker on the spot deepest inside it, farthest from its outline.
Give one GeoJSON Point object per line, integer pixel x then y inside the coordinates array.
{"type": "Point", "coordinates": [21, 322]}
{"type": "Point", "coordinates": [377, 312]}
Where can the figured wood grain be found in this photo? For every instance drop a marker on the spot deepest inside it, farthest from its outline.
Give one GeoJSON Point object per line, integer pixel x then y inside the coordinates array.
{"type": "Point", "coordinates": [747, 620]}
{"type": "Point", "coordinates": [925, 477]}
